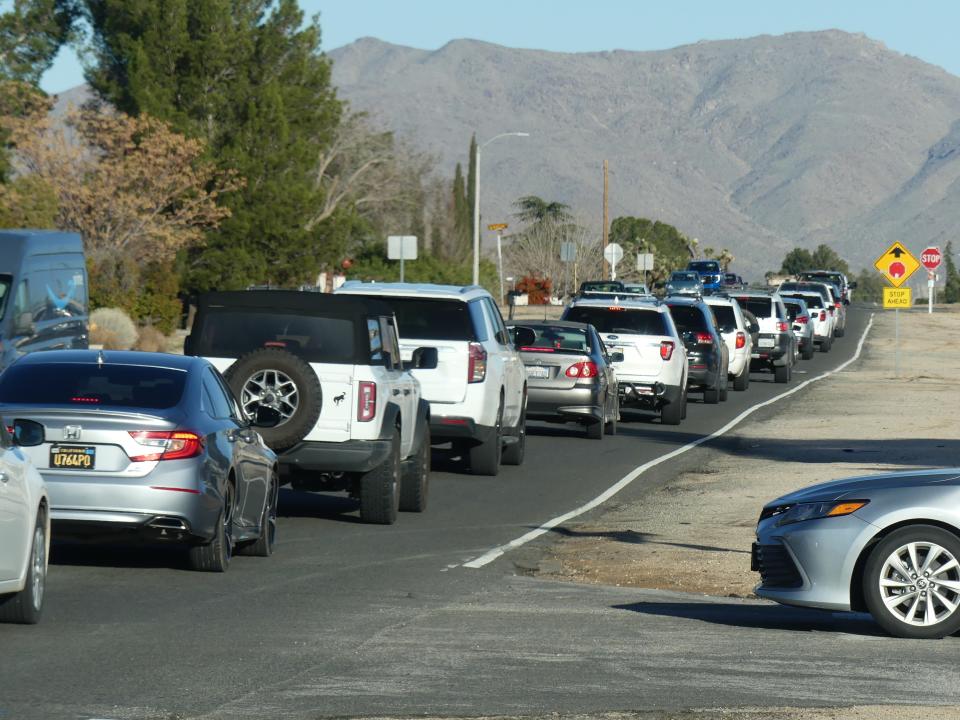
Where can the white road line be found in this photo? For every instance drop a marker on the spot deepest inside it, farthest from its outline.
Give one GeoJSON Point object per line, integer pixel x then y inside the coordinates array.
{"type": "Point", "coordinates": [491, 555]}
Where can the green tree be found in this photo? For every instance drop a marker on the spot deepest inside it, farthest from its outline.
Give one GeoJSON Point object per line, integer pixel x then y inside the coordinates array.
{"type": "Point", "coordinates": [671, 249]}
{"type": "Point", "coordinates": [797, 260]}
{"type": "Point", "coordinates": [462, 227]}
{"type": "Point", "coordinates": [870, 286]}
{"type": "Point", "coordinates": [31, 33]}
{"type": "Point", "coordinates": [951, 292]}
{"type": "Point", "coordinates": [247, 77]}
{"type": "Point", "coordinates": [533, 209]}
{"type": "Point", "coordinates": [472, 179]}
{"type": "Point", "coordinates": [826, 258]}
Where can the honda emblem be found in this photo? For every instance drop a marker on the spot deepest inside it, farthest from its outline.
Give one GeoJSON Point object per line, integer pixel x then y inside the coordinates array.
{"type": "Point", "coordinates": [72, 432]}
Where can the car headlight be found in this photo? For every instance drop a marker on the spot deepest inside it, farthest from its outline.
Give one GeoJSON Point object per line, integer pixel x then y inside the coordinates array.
{"type": "Point", "coordinates": [816, 510]}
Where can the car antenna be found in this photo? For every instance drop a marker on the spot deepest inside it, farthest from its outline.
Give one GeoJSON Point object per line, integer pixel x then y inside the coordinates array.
{"type": "Point", "coordinates": [100, 358]}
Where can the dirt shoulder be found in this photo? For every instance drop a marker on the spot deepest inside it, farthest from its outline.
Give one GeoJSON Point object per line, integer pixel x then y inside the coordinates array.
{"type": "Point", "coordinates": [694, 533]}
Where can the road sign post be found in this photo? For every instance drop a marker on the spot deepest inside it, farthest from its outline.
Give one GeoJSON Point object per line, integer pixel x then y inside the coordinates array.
{"type": "Point", "coordinates": [930, 258]}
{"type": "Point", "coordinates": [401, 247]}
{"type": "Point", "coordinates": [498, 228]}
{"type": "Point", "coordinates": [613, 253]}
{"type": "Point", "coordinates": [896, 265]}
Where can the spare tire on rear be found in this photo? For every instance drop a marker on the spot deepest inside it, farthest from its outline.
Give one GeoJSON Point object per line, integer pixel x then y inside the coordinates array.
{"type": "Point", "coordinates": [283, 381]}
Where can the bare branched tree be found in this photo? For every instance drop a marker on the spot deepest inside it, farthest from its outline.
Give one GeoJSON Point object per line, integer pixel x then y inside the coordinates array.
{"type": "Point", "coordinates": [536, 251]}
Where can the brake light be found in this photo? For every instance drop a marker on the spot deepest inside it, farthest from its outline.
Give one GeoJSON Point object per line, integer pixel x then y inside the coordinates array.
{"type": "Point", "coordinates": [367, 401]}
{"type": "Point", "coordinates": [477, 367]}
{"type": "Point", "coordinates": [782, 326]}
{"type": "Point", "coordinates": [166, 444]}
{"type": "Point", "coordinates": [803, 319]}
{"type": "Point", "coordinates": [741, 340]}
{"type": "Point", "coordinates": [585, 369]}
{"type": "Point", "coordinates": [704, 338]}
{"type": "Point", "coordinates": [666, 349]}
{"type": "Point", "coordinates": [836, 303]}
{"type": "Point", "coordinates": [823, 315]}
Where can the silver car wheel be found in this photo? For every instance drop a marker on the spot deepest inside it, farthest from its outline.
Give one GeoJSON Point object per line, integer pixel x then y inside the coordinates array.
{"type": "Point", "coordinates": [272, 388]}
{"type": "Point", "coordinates": [39, 565]}
{"type": "Point", "coordinates": [920, 584]}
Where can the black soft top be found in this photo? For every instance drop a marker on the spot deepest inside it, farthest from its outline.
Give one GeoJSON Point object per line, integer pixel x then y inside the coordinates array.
{"type": "Point", "coordinates": [303, 301]}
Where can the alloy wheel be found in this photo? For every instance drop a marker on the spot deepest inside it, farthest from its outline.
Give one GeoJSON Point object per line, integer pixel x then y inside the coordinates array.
{"type": "Point", "coordinates": [920, 584]}
{"type": "Point", "coordinates": [272, 388]}
{"type": "Point", "coordinates": [39, 561]}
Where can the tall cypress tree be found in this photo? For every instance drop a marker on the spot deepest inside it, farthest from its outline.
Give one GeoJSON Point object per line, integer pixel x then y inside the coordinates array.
{"type": "Point", "coordinates": [461, 216]}
{"type": "Point", "coordinates": [249, 78]}
{"type": "Point", "coordinates": [472, 180]}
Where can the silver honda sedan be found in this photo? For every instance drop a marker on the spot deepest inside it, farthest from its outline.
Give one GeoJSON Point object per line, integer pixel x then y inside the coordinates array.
{"type": "Point", "coordinates": [148, 443]}
{"type": "Point", "coordinates": [887, 544]}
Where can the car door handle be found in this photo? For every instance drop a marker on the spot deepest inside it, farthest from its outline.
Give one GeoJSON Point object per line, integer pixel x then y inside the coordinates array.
{"type": "Point", "coordinates": [406, 391]}
{"type": "Point", "coordinates": [3, 477]}
{"type": "Point", "coordinates": [396, 391]}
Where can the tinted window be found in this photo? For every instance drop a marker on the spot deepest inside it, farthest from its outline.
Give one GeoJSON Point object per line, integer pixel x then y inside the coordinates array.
{"type": "Point", "coordinates": [759, 306]}
{"type": "Point", "coordinates": [619, 320]}
{"type": "Point", "coordinates": [835, 278]}
{"type": "Point", "coordinates": [704, 267]}
{"type": "Point", "coordinates": [496, 320]}
{"type": "Point", "coordinates": [376, 340]}
{"type": "Point", "coordinates": [558, 339]}
{"type": "Point", "coordinates": [90, 385]}
{"type": "Point", "coordinates": [726, 318]}
{"type": "Point", "coordinates": [6, 282]}
{"type": "Point", "coordinates": [687, 317]}
{"type": "Point", "coordinates": [793, 309]}
{"type": "Point", "coordinates": [226, 333]}
{"type": "Point", "coordinates": [684, 276]}
{"type": "Point", "coordinates": [54, 294]}
{"type": "Point", "coordinates": [215, 402]}
{"type": "Point", "coordinates": [812, 301]}
{"type": "Point", "coordinates": [432, 319]}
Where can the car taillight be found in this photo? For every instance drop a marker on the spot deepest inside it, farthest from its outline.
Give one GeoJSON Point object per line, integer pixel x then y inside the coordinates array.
{"type": "Point", "coordinates": [704, 338]}
{"type": "Point", "coordinates": [477, 367]}
{"type": "Point", "coordinates": [666, 349]}
{"type": "Point", "coordinates": [585, 369]}
{"type": "Point", "coordinates": [823, 315]}
{"type": "Point", "coordinates": [367, 401]}
{"type": "Point", "coordinates": [782, 326]}
{"type": "Point", "coordinates": [166, 444]}
{"type": "Point", "coordinates": [741, 340]}
{"type": "Point", "coordinates": [803, 319]}
{"type": "Point", "coordinates": [836, 304]}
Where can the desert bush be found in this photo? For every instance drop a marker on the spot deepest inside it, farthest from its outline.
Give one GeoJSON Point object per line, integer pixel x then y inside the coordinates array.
{"type": "Point", "coordinates": [151, 340]}
{"type": "Point", "coordinates": [538, 289]}
{"type": "Point", "coordinates": [112, 328]}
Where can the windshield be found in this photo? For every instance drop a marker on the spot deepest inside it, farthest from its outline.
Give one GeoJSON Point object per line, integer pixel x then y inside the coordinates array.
{"type": "Point", "coordinates": [684, 277]}
{"type": "Point", "coordinates": [619, 320]}
{"type": "Point", "coordinates": [5, 283]}
{"type": "Point", "coordinates": [687, 318]}
{"type": "Point", "coordinates": [759, 306]}
{"type": "Point", "coordinates": [812, 300]}
{"type": "Point", "coordinates": [726, 318]}
{"type": "Point", "coordinates": [704, 266]}
{"type": "Point", "coordinates": [831, 277]}
{"type": "Point", "coordinates": [558, 339]}
{"type": "Point", "coordinates": [90, 385]}
{"type": "Point", "coordinates": [794, 309]}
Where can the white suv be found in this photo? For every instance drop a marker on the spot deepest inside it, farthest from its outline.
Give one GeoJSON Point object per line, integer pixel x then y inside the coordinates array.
{"type": "Point", "coordinates": [776, 344]}
{"type": "Point", "coordinates": [478, 391]}
{"type": "Point", "coordinates": [733, 328]}
{"type": "Point", "coordinates": [653, 373]}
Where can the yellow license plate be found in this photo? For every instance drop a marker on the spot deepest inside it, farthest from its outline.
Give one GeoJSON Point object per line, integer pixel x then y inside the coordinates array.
{"type": "Point", "coordinates": [73, 457]}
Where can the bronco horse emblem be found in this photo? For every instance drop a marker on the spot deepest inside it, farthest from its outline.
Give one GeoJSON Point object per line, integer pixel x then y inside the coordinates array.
{"type": "Point", "coordinates": [339, 398]}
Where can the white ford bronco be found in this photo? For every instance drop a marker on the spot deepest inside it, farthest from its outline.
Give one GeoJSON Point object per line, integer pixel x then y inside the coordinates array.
{"type": "Point", "coordinates": [352, 416]}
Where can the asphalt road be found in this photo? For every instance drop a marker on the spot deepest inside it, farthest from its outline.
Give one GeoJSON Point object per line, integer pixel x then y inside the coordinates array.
{"type": "Point", "coordinates": [354, 620]}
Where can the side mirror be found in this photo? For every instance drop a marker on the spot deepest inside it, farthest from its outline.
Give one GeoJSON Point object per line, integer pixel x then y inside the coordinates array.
{"type": "Point", "coordinates": [523, 336]}
{"type": "Point", "coordinates": [266, 417]}
{"type": "Point", "coordinates": [425, 358]}
{"type": "Point", "coordinates": [25, 324]}
{"type": "Point", "coordinates": [27, 433]}
{"type": "Point", "coordinates": [616, 357]}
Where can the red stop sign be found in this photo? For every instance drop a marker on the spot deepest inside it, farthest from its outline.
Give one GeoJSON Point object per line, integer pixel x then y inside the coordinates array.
{"type": "Point", "coordinates": [931, 257]}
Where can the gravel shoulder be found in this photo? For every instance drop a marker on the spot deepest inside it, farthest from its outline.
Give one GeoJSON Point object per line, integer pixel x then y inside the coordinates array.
{"type": "Point", "coordinates": [694, 533]}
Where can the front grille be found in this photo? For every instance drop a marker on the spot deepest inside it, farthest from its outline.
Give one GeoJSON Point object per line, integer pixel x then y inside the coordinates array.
{"type": "Point", "coordinates": [777, 569]}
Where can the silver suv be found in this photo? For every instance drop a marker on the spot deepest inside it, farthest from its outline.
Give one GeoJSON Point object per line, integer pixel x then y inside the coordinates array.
{"type": "Point", "coordinates": [775, 350]}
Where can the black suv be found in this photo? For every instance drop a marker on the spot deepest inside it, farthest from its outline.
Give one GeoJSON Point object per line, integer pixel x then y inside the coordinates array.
{"type": "Point", "coordinates": [708, 359]}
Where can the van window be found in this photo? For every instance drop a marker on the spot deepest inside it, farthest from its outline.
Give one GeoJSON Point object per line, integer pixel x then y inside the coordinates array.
{"type": "Point", "coordinates": [55, 294]}
{"type": "Point", "coordinates": [6, 283]}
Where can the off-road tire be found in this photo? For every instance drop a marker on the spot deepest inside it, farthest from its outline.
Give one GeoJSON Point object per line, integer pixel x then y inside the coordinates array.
{"type": "Point", "coordinates": [263, 545]}
{"type": "Point", "coordinates": [310, 398]}
{"type": "Point", "coordinates": [214, 555]}
{"type": "Point", "coordinates": [26, 606]}
{"type": "Point", "coordinates": [415, 480]}
{"type": "Point", "coordinates": [380, 488]}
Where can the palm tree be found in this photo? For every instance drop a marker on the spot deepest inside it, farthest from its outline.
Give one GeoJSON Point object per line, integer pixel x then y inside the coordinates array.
{"type": "Point", "coordinates": [533, 209]}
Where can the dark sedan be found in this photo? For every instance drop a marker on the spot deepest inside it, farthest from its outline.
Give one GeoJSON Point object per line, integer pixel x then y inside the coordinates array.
{"type": "Point", "coordinates": [152, 445]}
{"type": "Point", "coordinates": [569, 376]}
{"type": "Point", "coordinates": [708, 358]}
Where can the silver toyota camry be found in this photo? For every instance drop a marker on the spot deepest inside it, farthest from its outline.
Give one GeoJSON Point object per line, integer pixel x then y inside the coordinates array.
{"type": "Point", "coordinates": [147, 443]}
{"type": "Point", "coordinates": [887, 544]}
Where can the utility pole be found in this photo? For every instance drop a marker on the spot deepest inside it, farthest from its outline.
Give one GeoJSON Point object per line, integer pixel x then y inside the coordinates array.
{"type": "Point", "coordinates": [606, 222]}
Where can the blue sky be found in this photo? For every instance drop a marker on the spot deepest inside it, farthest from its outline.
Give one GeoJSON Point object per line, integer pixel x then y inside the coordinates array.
{"type": "Point", "coordinates": [925, 29]}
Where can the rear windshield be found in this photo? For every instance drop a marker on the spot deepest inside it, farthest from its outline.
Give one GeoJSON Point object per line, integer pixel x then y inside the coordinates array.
{"type": "Point", "coordinates": [558, 339]}
{"type": "Point", "coordinates": [726, 318]}
{"type": "Point", "coordinates": [691, 276]}
{"type": "Point", "coordinates": [434, 319]}
{"type": "Point", "coordinates": [709, 267]}
{"type": "Point", "coordinates": [686, 317]}
{"type": "Point", "coordinates": [759, 306]}
{"type": "Point", "coordinates": [812, 301]}
{"type": "Point", "coordinates": [835, 278]}
{"type": "Point", "coordinates": [90, 385]}
{"type": "Point", "coordinates": [793, 309]}
{"type": "Point", "coordinates": [232, 333]}
{"type": "Point", "coordinates": [619, 320]}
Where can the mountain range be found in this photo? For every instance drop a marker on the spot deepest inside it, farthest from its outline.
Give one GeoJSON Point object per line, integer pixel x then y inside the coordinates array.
{"type": "Point", "coordinates": [757, 145]}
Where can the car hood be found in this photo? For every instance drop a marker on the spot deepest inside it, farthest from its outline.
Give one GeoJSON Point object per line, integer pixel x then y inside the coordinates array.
{"type": "Point", "coordinates": [862, 486]}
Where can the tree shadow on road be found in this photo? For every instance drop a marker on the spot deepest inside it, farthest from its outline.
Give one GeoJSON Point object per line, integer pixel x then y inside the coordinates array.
{"type": "Point", "coordinates": [762, 617]}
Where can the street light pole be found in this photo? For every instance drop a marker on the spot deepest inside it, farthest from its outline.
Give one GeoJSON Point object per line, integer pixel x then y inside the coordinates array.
{"type": "Point", "coordinates": [476, 201]}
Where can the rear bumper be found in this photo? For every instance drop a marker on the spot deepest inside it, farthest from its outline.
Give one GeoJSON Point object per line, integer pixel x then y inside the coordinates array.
{"type": "Point", "coordinates": [349, 456]}
{"type": "Point", "coordinates": [651, 396]}
{"type": "Point", "coordinates": [447, 428]}
{"type": "Point", "coordinates": [573, 402]}
{"type": "Point", "coordinates": [776, 355]}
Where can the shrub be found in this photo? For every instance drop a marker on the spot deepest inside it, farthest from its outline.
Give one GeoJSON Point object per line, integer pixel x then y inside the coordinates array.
{"type": "Point", "coordinates": [112, 328]}
{"type": "Point", "coordinates": [151, 340]}
{"type": "Point", "coordinates": [538, 289]}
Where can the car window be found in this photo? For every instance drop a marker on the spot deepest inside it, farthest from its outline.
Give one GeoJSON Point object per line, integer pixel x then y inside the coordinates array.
{"type": "Point", "coordinates": [759, 306]}
{"type": "Point", "coordinates": [391, 348]}
{"type": "Point", "coordinates": [725, 316]}
{"type": "Point", "coordinates": [793, 309]}
{"type": "Point", "coordinates": [430, 319]}
{"type": "Point", "coordinates": [216, 403]}
{"type": "Point", "coordinates": [376, 340]}
{"type": "Point", "coordinates": [93, 385]}
{"type": "Point", "coordinates": [812, 300]}
{"type": "Point", "coordinates": [558, 339]}
{"type": "Point", "coordinates": [617, 319]}
{"type": "Point", "coordinates": [496, 321]}
{"type": "Point", "coordinates": [688, 318]}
